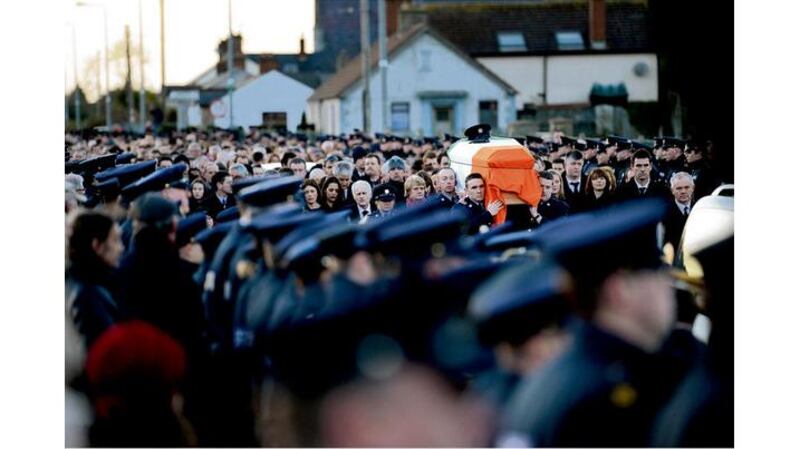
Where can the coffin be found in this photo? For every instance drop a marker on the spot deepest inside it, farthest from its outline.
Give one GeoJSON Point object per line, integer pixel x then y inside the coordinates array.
{"type": "Point", "coordinates": [507, 167]}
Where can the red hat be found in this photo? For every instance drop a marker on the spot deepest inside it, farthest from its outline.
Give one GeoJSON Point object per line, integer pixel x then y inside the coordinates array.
{"type": "Point", "coordinates": [131, 359]}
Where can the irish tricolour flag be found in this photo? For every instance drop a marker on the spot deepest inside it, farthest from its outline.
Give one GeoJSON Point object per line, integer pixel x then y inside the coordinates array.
{"type": "Point", "coordinates": [507, 167]}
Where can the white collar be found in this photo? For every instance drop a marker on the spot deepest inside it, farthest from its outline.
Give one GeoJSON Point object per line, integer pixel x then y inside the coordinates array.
{"type": "Point", "coordinates": [641, 186]}
{"type": "Point", "coordinates": [681, 206]}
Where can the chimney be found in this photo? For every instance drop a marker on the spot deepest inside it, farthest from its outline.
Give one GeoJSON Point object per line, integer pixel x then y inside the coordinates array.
{"type": "Point", "coordinates": [393, 15]}
{"type": "Point", "coordinates": [302, 45]}
{"type": "Point", "coordinates": [597, 24]}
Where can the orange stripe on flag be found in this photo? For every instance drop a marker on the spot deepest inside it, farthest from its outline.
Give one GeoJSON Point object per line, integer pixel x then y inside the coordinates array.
{"type": "Point", "coordinates": [507, 169]}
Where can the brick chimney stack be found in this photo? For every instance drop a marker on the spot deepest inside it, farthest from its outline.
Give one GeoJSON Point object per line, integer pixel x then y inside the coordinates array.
{"type": "Point", "coordinates": [597, 24]}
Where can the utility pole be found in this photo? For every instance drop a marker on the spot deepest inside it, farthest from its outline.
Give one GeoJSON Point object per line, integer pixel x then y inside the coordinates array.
{"type": "Point", "coordinates": [366, 60]}
{"type": "Point", "coordinates": [66, 99]}
{"type": "Point", "coordinates": [108, 84]}
{"type": "Point", "coordinates": [98, 106]}
{"type": "Point", "coordinates": [383, 63]}
{"type": "Point", "coordinates": [163, 77]}
{"type": "Point", "coordinates": [142, 99]}
{"type": "Point", "coordinates": [128, 81]}
{"type": "Point", "coordinates": [75, 95]}
{"type": "Point", "coordinates": [230, 63]}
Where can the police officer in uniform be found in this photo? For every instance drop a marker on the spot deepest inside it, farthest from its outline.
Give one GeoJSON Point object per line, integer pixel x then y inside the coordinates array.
{"type": "Point", "coordinates": [607, 388]}
{"type": "Point", "coordinates": [519, 313]}
{"type": "Point", "coordinates": [480, 217]}
{"type": "Point", "coordinates": [385, 199]}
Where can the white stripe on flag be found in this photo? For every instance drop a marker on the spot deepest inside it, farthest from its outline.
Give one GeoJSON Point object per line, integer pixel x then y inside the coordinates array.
{"type": "Point", "coordinates": [461, 154]}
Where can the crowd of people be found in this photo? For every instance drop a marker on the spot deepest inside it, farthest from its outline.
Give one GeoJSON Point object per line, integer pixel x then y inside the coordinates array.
{"type": "Point", "coordinates": [263, 289]}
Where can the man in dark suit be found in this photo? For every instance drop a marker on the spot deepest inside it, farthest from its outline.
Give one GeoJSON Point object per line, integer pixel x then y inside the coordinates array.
{"type": "Point", "coordinates": [362, 201]}
{"type": "Point", "coordinates": [642, 185]}
{"type": "Point", "coordinates": [572, 179]}
{"type": "Point", "coordinates": [682, 187]}
{"type": "Point", "coordinates": [223, 194]}
{"type": "Point", "coordinates": [343, 170]}
{"type": "Point", "coordinates": [478, 215]}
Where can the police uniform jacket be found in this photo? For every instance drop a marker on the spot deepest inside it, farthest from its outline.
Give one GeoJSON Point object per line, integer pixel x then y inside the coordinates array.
{"type": "Point", "coordinates": [553, 209]}
{"type": "Point", "coordinates": [705, 178]}
{"type": "Point", "coordinates": [476, 214]}
{"type": "Point", "coordinates": [90, 301]}
{"type": "Point", "coordinates": [156, 288]}
{"type": "Point", "coordinates": [444, 201]}
{"type": "Point", "coordinates": [216, 289]}
{"type": "Point", "coordinates": [601, 392]}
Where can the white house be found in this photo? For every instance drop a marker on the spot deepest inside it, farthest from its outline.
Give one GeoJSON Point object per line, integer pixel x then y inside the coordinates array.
{"type": "Point", "coordinates": [272, 99]}
{"type": "Point", "coordinates": [433, 88]}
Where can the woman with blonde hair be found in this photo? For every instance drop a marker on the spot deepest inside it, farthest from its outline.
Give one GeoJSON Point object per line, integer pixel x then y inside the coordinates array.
{"type": "Point", "coordinates": [558, 186]}
{"type": "Point", "coordinates": [415, 188]}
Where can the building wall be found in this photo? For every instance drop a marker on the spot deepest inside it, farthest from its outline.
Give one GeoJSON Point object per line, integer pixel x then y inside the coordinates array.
{"type": "Point", "coordinates": [325, 115]}
{"type": "Point", "coordinates": [570, 78]}
{"type": "Point", "coordinates": [271, 92]}
{"type": "Point", "coordinates": [426, 65]}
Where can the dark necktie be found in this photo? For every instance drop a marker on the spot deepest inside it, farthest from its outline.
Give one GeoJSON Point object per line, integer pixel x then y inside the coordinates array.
{"type": "Point", "coordinates": [685, 210]}
{"type": "Point", "coordinates": [574, 186]}
{"type": "Point", "coordinates": [642, 190]}
{"type": "Point", "coordinates": [364, 213]}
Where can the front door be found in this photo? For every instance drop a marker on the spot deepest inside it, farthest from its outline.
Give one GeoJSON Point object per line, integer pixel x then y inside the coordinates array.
{"type": "Point", "coordinates": [442, 120]}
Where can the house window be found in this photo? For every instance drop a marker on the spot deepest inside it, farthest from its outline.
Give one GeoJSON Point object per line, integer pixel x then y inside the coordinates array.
{"type": "Point", "coordinates": [487, 112]}
{"type": "Point", "coordinates": [425, 61]}
{"type": "Point", "coordinates": [508, 41]}
{"type": "Point", "coordinates": [290, 68]}
{"type": "Point", "coordinates": [273, 120]}
{"type": "Point", "coordinates": [569, 40]}
{"type": "Point", "coordinates": [400, 116]}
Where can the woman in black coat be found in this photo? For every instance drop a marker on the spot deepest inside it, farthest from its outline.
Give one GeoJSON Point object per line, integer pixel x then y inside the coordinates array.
{"type": "Point", "coordinates": [331, 200]}
{"type": "Point", "coordinates": [599, 191]}
{"type": "Point", "coordinates": [199, 196]}
{"type": "Point", "coordinates": [94, 251]}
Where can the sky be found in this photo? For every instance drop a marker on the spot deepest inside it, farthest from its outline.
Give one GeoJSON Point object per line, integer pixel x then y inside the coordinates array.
{"type": "Point", "coordinates": [193, 28]}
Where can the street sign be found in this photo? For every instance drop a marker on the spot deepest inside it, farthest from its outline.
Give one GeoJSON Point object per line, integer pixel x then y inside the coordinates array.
{"type": "Point", "coordinates": [218, 108]}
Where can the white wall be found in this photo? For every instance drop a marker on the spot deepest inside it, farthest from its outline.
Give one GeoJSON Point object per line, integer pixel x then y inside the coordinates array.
{"type": "Point", "coordinates": [406, 77]}
{"type": "Point", "coordinates": [271, 92]}
{"type": "Point", "coordinates": [525, 73]}
{"type": "Point", "coordinates": [570, 78]}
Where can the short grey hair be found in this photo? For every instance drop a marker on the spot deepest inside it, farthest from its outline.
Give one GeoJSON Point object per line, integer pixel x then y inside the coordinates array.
{"type": "Point", "coordinates": [394, 162]}
{"type": "Point", "coordinates": [361, 185]}
{"type": "Point", "coordinates": [75, 181]}
{"type": "Point", "coordinates": [678, 176]}
{"type": "Point", "coordinates": [343, 168]}
{"type": "Point", "coordinates": [238, 169]}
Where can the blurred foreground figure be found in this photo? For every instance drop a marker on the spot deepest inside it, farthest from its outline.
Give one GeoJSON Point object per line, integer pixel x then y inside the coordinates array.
{"type": "Point", "coordinates": [134, 371]}
{"type": "Point", "coordinates": [606, 389]}
{"type": "Point", "coordinates": [414, 408]}
{"type": "Point", "coordinates": [701, 412]}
